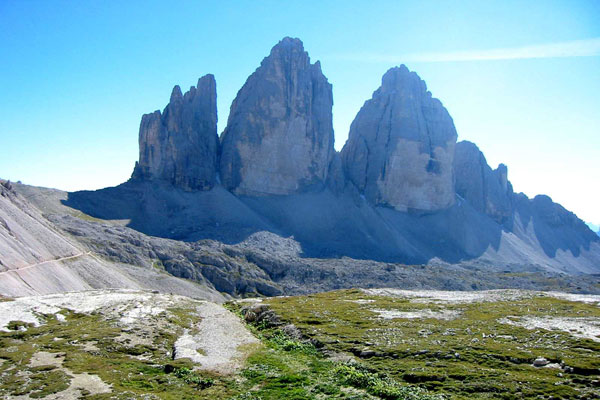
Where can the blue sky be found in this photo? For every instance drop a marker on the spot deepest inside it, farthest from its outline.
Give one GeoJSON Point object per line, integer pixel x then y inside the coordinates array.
{"type": "Point", "coordinates": [520, 78]}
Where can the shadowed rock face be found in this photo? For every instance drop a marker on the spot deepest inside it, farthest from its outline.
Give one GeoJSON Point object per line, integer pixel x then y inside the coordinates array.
{"type": "Point", "coordinates": [279, 136]}
{"type": "Point", "coordinates": [180, 145]}
{"type": "Point", "coordinates": [401, 146]}
{"type": "Point", "coordinates": [488, 191]}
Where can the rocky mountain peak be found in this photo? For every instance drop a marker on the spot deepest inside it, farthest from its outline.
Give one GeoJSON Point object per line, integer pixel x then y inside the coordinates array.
{"type": "Point", "coordinates": [402, 79]}
{"type": "Point", "coordinates": [176, 95]}
{"type": "Point", "coordinates": [279, 136]}
{"type": "Point", "coordinates": [286, 57]}
{"type": "Point", "coordinates": [401, 146]}
{"type": "Point", "coordinates": [180, 145]}
{"type": "Point", "coordinates": [288, 45]}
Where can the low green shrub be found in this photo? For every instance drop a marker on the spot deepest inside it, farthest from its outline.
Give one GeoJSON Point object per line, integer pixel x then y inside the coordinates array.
{"type": "Point", "coordinates": [380, 385]}
{"type": "Point", "coordinates": [283, 341]}
{"type": "Point", "coordinates": [192, 378]}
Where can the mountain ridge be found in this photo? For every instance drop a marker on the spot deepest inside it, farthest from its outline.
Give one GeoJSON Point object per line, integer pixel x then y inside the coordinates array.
{"type": "Point", "coordinates": [247, 222]}
{"type": "Point", "coordinates": [401, 166]}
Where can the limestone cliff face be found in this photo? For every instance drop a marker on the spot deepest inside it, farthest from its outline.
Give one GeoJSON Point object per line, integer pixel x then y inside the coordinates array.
{"type": "Point", "coordinates": [487, 190]}
{"type": "Point", "coordinates": [401, 146]}
{"type": "Point", "coordinates": [279, 136]}
{"type": "Point", "coordinates": [180, 145]}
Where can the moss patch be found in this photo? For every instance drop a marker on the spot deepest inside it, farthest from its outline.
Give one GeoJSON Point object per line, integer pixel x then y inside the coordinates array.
{"type": "Point", "coordinates": [471, 356]}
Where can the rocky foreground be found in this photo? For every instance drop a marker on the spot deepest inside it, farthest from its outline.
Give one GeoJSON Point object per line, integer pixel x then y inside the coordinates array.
{"type": "Point", "coordinates": [353, 344]}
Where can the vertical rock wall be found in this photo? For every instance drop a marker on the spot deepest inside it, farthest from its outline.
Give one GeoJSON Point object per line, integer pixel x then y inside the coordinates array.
{"type": "Point", "coordinates": [487, 190]}
{"type": "Point", "coordinates": [180, 145]}
{"type": "Point", "coordinates": [400, 148]}
{"type": "Point", "coordinates": [279, 136]}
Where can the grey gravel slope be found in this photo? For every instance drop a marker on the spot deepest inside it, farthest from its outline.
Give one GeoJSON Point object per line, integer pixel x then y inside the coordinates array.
{"type": "Point", "coordinates": [36, 257]}
{"type": "Point", "coordinates": [326, 225]}
{"type": "Point", "coordinates": [260, 262]}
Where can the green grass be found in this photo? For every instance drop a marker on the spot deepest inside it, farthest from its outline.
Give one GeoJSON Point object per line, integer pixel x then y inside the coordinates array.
{"type": "Point", "coordinates": [472, 356]}
{"type": "Point", "coordinates": [283, 368]}
{"type": "Point", "coordinates": [379, 384]}
{"type": "Point", "coordinates": [286, 368]}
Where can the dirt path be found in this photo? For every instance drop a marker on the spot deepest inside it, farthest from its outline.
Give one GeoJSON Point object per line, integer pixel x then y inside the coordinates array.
{"type": "Point", "coordinates": [87, 253]}
{"type": "Point", "coordinates": [221, 342]}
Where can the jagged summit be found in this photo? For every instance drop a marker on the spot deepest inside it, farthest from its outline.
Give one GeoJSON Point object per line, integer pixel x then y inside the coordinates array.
{"type": "Point", "coordinates": [288, 44]}
{"type": "Point", "coordinates": [401, 146]}
{"type": "Point", "coordinates": [401, 78]}
{"type": "Point", "coordinates": [180, 144]}
{"type": "Point", "coordinates": [279, 136]}
{"type": "Point", "coordinates": [176, 94]}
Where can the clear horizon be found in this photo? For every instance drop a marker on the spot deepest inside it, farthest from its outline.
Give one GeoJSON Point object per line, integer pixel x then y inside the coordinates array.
{"type": "Point", "coordinates": [519, 79]}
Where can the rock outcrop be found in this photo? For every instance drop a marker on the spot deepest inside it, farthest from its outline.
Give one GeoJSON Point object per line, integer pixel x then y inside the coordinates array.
{"type": "Point", "coordinates": [279, 136]}
{"type": "Point", "coordinates": [557, 230]}
{"type": "Point", "coordinates": [180, 145]}
{"type": "Point", "coordinates": [487, 190]}
{"type": "Point", "coordinates": [401, 146]}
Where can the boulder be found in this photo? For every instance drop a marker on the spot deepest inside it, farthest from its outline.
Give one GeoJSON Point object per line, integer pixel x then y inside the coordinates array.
{"type": "Point", "coordinates": [180, 145]}
{"type": "Point", "coordinates": [401, 146]}
{"type": "Point", "coordinates": [279, 136]}
{"type": "Point", "coordinates": [540, 362]}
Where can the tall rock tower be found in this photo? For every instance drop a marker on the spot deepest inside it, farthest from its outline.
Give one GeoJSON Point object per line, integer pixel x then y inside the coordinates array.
{"type": "Point", "coordinates": [487, 190]}
{"type": "Point", "coordinates": [401, 146]}
{"type": "Point", "coordinates": [180, 145]}
{"type": "Point", "coordinates": [279, 136]}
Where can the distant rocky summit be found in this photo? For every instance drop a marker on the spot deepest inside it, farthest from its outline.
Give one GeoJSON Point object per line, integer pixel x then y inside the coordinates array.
{"type": "Point", "coordinates": [279, 137]}
{"type": "Point", "coordinates": [180, 145]}
{"type": "Point", "coordinates": [401, 146]}
{"type": "Point", "coordinates": [487, 190]}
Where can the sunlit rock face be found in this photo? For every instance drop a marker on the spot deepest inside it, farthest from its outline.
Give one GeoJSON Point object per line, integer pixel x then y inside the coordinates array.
{"type": "Point", "coordinates": [180, 145]}
{"type": "Point", "coordinates": [279, 136]}
{"type": "Point", "coordinates": [487, 190]}
{"type": "Point", "coordinates": [401, 146]}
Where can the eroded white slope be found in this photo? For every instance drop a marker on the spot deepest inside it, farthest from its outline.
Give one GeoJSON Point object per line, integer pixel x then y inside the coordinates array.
{"type": "Point", "coordinates": [26, 238]}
